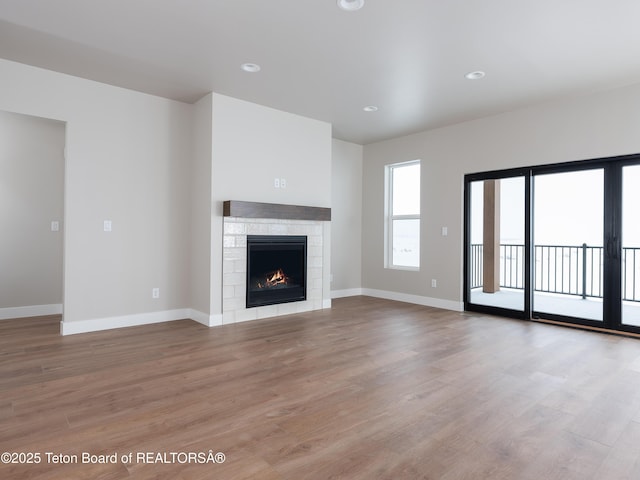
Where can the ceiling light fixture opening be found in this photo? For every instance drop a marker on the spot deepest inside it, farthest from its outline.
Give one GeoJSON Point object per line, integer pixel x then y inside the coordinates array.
{"type": "Point", "coordinates": [350, 5]}
{"type": "Point", "coordinates": [250, 67]}
{"type": "Point", "coordinates": [477, 75]}
{"type": "Point", "coordinates": [370, 108]}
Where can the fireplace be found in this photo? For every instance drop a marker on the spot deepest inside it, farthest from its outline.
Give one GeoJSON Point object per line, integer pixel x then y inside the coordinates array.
{"type": "Point", "coordinates": [276, 269]}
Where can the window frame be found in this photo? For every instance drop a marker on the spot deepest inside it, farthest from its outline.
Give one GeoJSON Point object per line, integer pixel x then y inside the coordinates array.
{"type": "Point", "coordinates": [390, 218]}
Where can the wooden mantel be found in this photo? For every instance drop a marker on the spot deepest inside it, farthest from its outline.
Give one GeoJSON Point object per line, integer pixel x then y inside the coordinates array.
{"type": "Point", "coordinates": [235, 208]}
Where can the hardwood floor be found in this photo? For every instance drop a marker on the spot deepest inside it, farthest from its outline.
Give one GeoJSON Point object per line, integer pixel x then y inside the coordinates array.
{"type": "Point", "coordinates": [371, 389]}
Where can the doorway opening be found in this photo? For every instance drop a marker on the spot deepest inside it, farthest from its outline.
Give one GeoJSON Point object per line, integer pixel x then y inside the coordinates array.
{"type": "Point", "coordinates": [32, 166]}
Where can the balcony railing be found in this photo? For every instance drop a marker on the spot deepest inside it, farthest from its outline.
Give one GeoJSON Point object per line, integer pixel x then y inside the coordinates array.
{"type": "Point", "coordinates": [564, 269]}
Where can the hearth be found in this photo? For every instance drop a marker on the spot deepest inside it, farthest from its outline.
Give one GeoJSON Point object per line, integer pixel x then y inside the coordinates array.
{"type": "Point", "coordinates": [276, 269]}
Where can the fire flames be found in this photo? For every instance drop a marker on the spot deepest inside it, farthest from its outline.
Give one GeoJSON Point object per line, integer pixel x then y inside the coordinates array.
{"type": "Point", "coordinates": [274, 279]}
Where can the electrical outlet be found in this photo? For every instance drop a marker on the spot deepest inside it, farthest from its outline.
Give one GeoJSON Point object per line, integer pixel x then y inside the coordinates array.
{"type": "Point", "coordinates": [283, 183]}
{"type": "Point", "coordinates": [434, 283]}
{"type": "Point", "coordinates": [155, 293]}
{"type": "Point", "coordinates": [107, 225]}
{"type": "Point", "coordinates": [276, 183]}
{"type": "Point", "coordinates": [55, 226]}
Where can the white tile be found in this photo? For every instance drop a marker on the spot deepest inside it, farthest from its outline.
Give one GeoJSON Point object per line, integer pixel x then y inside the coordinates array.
{"type": "Point", "coordinates": [233, 279]}
{"type": "Point", "coordinates": [275, 229]}
{"type": "Point", "coordinates": [228, 266]}
{"type": "Point", "coordinates": [299, 229]}
{"type": "Point", "coordinates": [234, 228]}
{"type": "Point", "coordinates": [246, 315]}
{"type": "Point", "coordinates": [314, 262]}
{"type": "Point", "coordinates": [314, 293]}
{"type": "Point", "coordinates": [234, 253]}
{"type": "Point", "coordinates": [314, 273]}
{"type": "Point", "coordinates": [232, 304]}
{"type": "Point", "coordinates": [241, 241]}
{"type": "Point", "coordinates": [228, 318]}
{"type": "Point", "coordinates": [240, 266]}
{"type": "Point", "coordinates": [315, 240]}
{"type": "Point", "coordinates": [257, 229]}
{"type": "Point", "coordinates": [266, 312]}
{"type": "Point", "coordinates": [288, 308]}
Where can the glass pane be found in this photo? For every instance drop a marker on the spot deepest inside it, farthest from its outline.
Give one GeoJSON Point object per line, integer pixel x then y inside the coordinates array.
{"type": "Point", "coordinates": [568, 236]}
{"type": "Point", "coordinates": [406, 189]}
{"type": "Point", "coordinates": [496, 260]}
{"type": "Point", "coordinates": [406, 243]}
{"type": "Point", "coordinates": [630, 245]}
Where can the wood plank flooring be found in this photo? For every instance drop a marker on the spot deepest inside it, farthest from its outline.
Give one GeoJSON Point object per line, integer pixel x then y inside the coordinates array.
{"type": "Point", "coordinates": [371, 389]}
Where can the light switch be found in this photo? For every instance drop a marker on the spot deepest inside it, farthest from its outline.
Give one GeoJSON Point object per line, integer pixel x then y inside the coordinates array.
{"type": "Point", "coordinates": [107, 225]}
{"type": "Point", "coordinates": [55, 226]}
{"type": "Point", "coordinates": [445, 231]}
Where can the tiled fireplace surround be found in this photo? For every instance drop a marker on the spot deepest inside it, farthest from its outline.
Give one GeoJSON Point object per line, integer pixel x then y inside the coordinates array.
{"type": "Point", "coordinates": [234, 259]}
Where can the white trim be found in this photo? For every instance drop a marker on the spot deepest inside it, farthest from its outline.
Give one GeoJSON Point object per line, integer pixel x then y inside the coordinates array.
{"type": "Point", "coordinates": [94, 325]}
{"type": "Point", "coordinates": [213, 320]}
{"type": "Point", "coordinates": [351, 292]}
{"type": "Point", "coordinates": [417, 299]}
{"type": "Point", "coordinates": [389, 217]}
{"type": "Point", "coordinates": [30, 311]}
{"type": "Point", "coordinates": [205, 319]}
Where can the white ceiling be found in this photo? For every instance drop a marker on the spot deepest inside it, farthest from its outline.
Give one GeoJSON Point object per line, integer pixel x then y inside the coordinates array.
{"type": "Point", "coordinates": [408, 57]}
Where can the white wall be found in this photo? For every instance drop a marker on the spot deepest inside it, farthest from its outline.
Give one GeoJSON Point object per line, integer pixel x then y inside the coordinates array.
{"type": "Point", "coordinates": [346, 218]}
{"type": "Point", "coordinates": [128, 161]}
{"type": "Point", "coordinates": [600, 125]}
{"type": "Point", "coordinates": [252, 145]}
{"type": "Point", "coordinates": [201, 211]}
{"type": "Point", "coordinates": [31, 197]}
{"type": "Point", "coordinates": [159, 170]}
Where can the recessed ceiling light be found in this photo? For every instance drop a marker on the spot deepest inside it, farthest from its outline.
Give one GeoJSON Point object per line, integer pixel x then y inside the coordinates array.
{"type": "Point", "coordinates": [477, 75]}
{"type": "Point", "coordinates": [370, 108]}
{"type": "Point", "coordinates": [350, 5]}
{"type": "Point", "coordinates": [250, 67]}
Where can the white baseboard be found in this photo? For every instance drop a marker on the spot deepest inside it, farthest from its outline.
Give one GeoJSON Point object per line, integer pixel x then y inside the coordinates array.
{"type": "Point", "coordinates": [205, 319]}
{"type": "Point", "coordinates": [30, 311]}
{"type": "Point", "coordinates": [209, 320]}
{"type": "Point", "coordinates": [350, 292]}
{"type": "Point", "coordinates": [400, 297]}
{"type": "Point", "coordinates": [95, 325]}
{"type": "Point", "coordinates": [416, 299]}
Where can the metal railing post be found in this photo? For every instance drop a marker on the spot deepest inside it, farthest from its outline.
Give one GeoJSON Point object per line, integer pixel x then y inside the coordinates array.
{"type": "Point", "coordinates": [584, 271]}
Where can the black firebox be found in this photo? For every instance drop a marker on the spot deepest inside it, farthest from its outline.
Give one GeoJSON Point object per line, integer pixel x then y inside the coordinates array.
{"type": "Point", "coordinates": [276, 269]}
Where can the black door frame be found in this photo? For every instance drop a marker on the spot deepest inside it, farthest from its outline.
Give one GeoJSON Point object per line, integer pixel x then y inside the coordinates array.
{"type": "Point", "coordinates": [498, 175]}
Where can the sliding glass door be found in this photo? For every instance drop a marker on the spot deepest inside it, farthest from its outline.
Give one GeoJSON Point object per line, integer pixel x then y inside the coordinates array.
{"type": "Point", "coordinates": [496, 247]}
{"type": "Point", "coordinates": [568, 233]}
{"type": "Point", "coordinates": [630, 267]}
{"type": "Point", "coordinates": [556, 242]}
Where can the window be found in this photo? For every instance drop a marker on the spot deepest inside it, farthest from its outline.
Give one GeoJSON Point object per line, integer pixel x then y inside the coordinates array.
{"type": "Point", "coordinates": [402, 193]}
